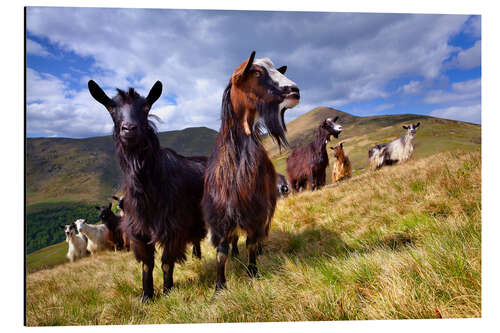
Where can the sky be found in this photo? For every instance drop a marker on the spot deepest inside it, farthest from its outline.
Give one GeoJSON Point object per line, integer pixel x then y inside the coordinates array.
{"type": "Point", "coordinates": [361, 63]}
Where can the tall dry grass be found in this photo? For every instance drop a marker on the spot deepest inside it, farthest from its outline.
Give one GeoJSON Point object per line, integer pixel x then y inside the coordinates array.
{"type": "Point", "coordinates": [401, 242]}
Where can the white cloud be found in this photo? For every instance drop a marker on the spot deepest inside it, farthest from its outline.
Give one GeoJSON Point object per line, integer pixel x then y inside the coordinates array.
{"type": "Point", "coordinates": [336, 58]}
{"type": "Point", "coordinates": [53, 111]}
{"type": "Point", "coordinates": [470, 113]}
{"type": "Point", "coordinates": [412, 87]}
{"type": "Point", "coordinates": [383, 107]}
{"type": "Point", "coordinates": [469, 58]}
{"type": "Point", "coordinates": [462, 102]}
{"type": "Point", "coordinates": [35, 48]}
{"type": "Point", "coordinates": [460, 91]}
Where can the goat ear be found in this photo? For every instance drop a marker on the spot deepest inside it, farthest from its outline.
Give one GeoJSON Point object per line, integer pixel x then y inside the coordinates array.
{"type": "Point", "coordinates": [341, 145]}
{"type": "Point", "coordinates": [336, 118]}
{"type": "Point", "coordinates": [100, 96]}
{"type": "Point", "coordinates": [154, 93]}
{"type": "Point", "coordinates": [114, 197]}
{"type": "Point", "coordinates": [282, 69]}
{"type": "Point", "coordinates": [405, 127]}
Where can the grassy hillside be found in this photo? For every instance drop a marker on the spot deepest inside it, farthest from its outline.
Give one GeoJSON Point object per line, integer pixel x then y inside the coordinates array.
{"type": "Point", "coordinates": [43, 222]}
{"type": "Point", "coordinates": [402, 242]}
{"type": "Point", "coordinates": [86, 170]}
{"type": "Point", "coordinates": [360, 133]}
{"type": "Point", "coordinates": [47, 257]}
{"type": "Point", "coordinates": [65, 178]}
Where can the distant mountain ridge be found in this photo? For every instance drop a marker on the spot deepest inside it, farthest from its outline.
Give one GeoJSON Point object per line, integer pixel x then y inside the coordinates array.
{"type": "Point", "coordinates": [86, 170]}
{"type": "Point", "coordinates": [434, 135]}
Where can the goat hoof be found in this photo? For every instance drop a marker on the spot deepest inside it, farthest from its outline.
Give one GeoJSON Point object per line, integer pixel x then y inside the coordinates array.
{"type": "Point", "coordinates": [145, 298]}
{"type": "Point", "coordinates": [218, 290]}
{"type": "Point", "coordinates": [166, 290]}
{"type": "Point", "coordinates": [252, 270]}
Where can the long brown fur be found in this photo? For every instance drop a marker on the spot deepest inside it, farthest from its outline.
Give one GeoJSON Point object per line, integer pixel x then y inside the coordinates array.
{"type": "Point", "coordinates": [341, 166]}
{"type": "Point", "coordinates": [240, 180]}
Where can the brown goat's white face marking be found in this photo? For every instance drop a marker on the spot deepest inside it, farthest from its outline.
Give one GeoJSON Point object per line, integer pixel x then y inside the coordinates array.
{"type": "Point", "coordinates": [281, 81]}
{"type": "Point", "coordinates": [336, 126]}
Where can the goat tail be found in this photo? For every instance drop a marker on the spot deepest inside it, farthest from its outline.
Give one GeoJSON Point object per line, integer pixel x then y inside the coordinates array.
{"type": "Point", "coordinates": [375, 158]}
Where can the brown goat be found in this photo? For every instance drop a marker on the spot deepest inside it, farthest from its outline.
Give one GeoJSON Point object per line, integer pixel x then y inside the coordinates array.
{"type": "Point", "coordinates": [306, 165]}
{"type": "Point", "coordinates": [240, 180]}
{"type": "Point", "coordinates": [341, 166]}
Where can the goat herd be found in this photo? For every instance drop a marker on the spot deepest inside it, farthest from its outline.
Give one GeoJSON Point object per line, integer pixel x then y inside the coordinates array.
{"type": "Point", "coordinates": [171, 200]}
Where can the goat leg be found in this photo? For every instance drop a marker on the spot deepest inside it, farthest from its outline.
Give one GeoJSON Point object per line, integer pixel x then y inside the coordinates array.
{"type": "Point", "coordinates": [252, 246]}
{"type": "Point", "coordinates": [234, 247]}
{"type": "Point", "coordinates": [197, 250]}
{"type": "Point", "coordinates": [222, 252]}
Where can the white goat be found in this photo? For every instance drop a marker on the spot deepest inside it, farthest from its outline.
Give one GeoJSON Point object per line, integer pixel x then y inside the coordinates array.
{"type": "Point", "coordinates": [97, 234]}
{"type": "Point", "coordinates": [77, 244]}
{"type": "Point", "coordinates": [393, 152]}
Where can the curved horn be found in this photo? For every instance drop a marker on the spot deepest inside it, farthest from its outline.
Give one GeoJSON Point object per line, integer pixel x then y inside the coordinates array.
{"type": "Point", "coordinates": [249, 63]}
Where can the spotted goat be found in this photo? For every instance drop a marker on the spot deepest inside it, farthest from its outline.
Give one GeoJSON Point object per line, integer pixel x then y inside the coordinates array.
{"type": "Point", "coordinates": [98, 235]}
{"type": "Point", "coordinates": [393, 152]}
{"type": "Point", "coordinates": [77, 243]}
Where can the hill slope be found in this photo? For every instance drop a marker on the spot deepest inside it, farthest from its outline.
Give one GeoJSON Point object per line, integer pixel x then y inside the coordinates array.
{"type": "Point", "coordinates": [402, 242]}
{"type": "Point", "coordinates": [86, 170]}
{"type": "Point", "coordinates": [360, 133]}
{"type": "Point", "coordinates": [65, 178]}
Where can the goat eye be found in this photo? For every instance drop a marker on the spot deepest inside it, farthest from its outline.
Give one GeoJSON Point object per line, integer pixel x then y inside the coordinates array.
{"type": "Point", "coordinates": [257, 74]}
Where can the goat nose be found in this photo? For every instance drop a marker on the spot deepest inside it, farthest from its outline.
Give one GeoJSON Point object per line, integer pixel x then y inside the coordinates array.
{"type": "Point", "coordinates": [128, 127]}
{"type": "Point", "coordinates": [293, 90]}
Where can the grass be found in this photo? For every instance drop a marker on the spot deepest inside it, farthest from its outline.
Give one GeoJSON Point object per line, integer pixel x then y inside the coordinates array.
{"type": "Point", "coordinates": [47, 257]}
{"type": "Point", "coordinates": [402, 242]}
{"type": "Point", "coordinates": [360, 133]}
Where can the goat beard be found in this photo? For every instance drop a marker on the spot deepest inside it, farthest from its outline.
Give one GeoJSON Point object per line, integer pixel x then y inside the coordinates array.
{"type": "Point", "coordinates": [273, 120]}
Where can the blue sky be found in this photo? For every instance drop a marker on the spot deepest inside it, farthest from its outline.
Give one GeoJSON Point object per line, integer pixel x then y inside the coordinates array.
{"type": "Point", "coordinates": [364, 64]}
